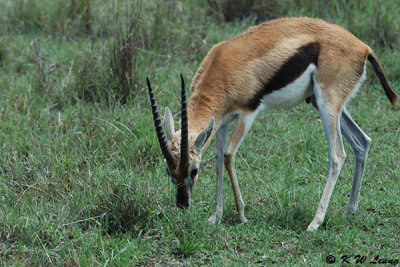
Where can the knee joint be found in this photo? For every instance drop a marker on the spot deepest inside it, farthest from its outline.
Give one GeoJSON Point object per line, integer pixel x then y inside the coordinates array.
{"type": "Point", "coordinates": [367, 144]}
{"type": "Point", "coordinates": [362, 152]}
{"type": "Point", "coordinates": [338, 160]}
{"type": "Point", "coordinates": [228, 158]}
{"type": "Point", "coordinates": [219, 155]}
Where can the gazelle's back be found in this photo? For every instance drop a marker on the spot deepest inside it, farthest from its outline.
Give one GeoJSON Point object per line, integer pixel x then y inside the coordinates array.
{"type": "Point", "coordinates": [235, 71]}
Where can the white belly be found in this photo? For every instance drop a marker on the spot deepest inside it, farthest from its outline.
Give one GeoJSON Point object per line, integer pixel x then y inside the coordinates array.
{"type": "Point", "coordinates": [292, 94]}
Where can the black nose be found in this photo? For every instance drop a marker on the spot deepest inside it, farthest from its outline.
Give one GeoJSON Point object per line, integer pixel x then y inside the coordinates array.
{"type": "Point", "coordinates": [182, 198]}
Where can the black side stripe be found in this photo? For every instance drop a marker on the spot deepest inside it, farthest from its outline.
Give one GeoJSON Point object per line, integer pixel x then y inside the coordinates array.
{"type": "Point", "coordinates": [289, 71]}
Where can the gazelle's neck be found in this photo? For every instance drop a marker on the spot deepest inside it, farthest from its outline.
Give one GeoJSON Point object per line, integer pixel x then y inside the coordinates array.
{"type": "Point", "coordinates": [209, 99]}
{"type": "Point", "coordinates": [202, 108]}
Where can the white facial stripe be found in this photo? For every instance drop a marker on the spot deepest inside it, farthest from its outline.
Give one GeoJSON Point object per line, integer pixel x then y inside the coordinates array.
{"type": "Point", "coordinates": [187, 181]}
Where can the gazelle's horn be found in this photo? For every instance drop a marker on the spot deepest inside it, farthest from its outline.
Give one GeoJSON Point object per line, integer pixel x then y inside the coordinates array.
{"type": "Point", "coordinates": [184, 127]}
{"type": "Point", "coordinates": [160, 132]}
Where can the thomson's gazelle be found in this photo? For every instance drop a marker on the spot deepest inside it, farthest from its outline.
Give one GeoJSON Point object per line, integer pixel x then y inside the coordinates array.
{"type": "Point", "coordinates": [277, 64]}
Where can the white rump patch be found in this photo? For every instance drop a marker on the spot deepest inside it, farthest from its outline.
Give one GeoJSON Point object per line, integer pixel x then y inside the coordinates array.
{"type": "Point", "coordinates": [358, 85]}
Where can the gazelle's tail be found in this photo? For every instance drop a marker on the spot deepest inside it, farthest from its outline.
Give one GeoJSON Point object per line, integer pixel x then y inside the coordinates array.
{"type": "Point", "coordinates": [390, 93]}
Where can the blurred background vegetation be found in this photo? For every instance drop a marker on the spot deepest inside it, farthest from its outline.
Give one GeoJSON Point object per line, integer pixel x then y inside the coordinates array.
{"type": "Point", "coordinates": [80, 175]}
{"type": "Point", "coordinates": [120, 40]}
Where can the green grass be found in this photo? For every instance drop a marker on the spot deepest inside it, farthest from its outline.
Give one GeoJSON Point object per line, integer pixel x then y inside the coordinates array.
{"type": "Point", "coordinates": [82, 180]}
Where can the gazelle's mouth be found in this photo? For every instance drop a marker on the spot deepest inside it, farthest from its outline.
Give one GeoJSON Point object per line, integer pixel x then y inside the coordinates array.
{"type": "Point", "coordinates": [183, 197]}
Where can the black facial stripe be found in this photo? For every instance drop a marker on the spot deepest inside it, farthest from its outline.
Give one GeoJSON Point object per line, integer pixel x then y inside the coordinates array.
{"type": "Point", "coordinates": [288, 72]}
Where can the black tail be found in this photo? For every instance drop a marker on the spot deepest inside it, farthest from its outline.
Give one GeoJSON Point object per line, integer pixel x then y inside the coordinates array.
{"type": "Point", "coordinates": [390, 93]}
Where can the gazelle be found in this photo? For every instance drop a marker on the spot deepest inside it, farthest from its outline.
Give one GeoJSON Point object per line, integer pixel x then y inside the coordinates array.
{"type": "Point", "coordinates": [277, 64]}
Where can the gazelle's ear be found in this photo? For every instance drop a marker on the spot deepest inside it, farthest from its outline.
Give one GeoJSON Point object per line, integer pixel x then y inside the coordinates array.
{"type": "Point", "coordinates": [169, 128]}
{"type": "Point", "coordinates": [203, 137]}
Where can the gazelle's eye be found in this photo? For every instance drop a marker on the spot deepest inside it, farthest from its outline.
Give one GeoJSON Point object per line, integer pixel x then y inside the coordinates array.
{"type": "Point", "coordinates": [193, 173]}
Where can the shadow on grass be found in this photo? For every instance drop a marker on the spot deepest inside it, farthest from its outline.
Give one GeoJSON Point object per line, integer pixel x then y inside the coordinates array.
{"type": "Point", "coordinates": [295, 219]}
{"type": "Point", "coordinates": [124, 209]}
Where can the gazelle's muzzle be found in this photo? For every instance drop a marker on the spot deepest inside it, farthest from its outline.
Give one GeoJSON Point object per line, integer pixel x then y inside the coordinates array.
{"type": "Point", "coordinates": [183, 196]}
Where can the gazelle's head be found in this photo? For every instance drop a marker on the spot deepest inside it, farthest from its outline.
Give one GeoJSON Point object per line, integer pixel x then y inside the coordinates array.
{"type": "Point", "coordinates": [181, 150]}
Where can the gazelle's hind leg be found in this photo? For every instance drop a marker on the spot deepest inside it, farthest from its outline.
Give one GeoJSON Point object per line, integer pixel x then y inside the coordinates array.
{"type": "Point", "coordinates": [244, 124]}
{"type": "Point", "coordinates": [330, 114]}
{"type": "Point", "coordinates": [359, 142]}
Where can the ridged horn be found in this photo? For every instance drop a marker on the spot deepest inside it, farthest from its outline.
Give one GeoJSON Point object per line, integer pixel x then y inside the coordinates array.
{"type": "Point", "coordinates": [184, 126]}
{"type": "Point", "coordinates": [160, 131]}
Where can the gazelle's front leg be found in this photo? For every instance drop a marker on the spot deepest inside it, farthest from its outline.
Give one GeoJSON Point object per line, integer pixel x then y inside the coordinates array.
{"type": "Point", "coordinates": [245, 122]}
{"type": "Point", "coordinates": [219, 156]}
